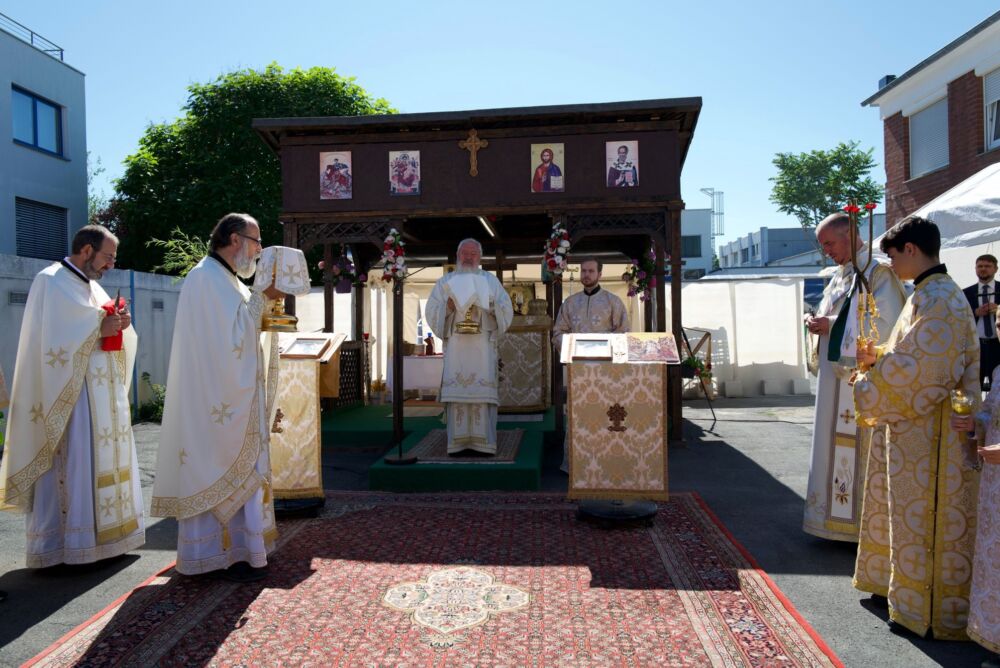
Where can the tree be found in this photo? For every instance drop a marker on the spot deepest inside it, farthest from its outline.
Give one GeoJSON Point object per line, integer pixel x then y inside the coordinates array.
{"type": "Point", "coordinates": [188, 173]}
{"type": "Point", "coordinates": [811, 186]}
{"type": "Point", "coordinates": [96, 201]}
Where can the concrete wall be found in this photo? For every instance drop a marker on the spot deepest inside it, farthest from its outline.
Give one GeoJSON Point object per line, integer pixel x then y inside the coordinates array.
{"type": "Point", "coordinates": [29, 173]}
{"type": "Point", "coordinates": [155, 327]}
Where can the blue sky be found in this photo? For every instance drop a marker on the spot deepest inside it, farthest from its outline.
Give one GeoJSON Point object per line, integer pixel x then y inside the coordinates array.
{"type": "Point", "coordinates": [774, 76]}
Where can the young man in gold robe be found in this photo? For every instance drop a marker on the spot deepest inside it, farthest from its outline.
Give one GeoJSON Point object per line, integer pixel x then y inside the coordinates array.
{"type": "Point", "coordinates": [917, 536]}
{"type": "Point", "coordinates": [592, 310]}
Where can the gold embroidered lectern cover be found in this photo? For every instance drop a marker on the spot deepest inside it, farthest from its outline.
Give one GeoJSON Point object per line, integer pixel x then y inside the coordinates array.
{"type": "Point", "coordinates": [524, 355]}
{"type": "Point", "coordinates": [617, 425]}
{"type": "Point", "coordinates": [296, 472]}
{"type": "Point", "coordinates": [296, 467]}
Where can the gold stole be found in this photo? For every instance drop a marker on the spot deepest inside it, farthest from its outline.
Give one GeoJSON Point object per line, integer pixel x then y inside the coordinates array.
{"type": "Point", "coordinates": [113, 445]}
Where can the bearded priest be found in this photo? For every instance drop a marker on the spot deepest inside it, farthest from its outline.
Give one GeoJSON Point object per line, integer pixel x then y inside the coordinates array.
{"type": "Point", "coordinates": [470, 310]}
{"type": "Point", "coordinates": [70, 460]}
{"type": "Point", "coordinates": [213, 469]}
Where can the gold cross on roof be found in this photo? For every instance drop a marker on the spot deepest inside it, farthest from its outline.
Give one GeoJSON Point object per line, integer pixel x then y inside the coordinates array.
{"type": "Point", "coordinates": [472, 144]}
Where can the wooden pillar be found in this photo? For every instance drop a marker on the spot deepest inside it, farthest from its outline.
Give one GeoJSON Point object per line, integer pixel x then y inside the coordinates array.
{"type": "Point", "coordinates": [557, 384]}
{"type": "Point", "coordinates": [500, 258]}
{"type": "Point", "coordinates": [358, 297]}
{"type": "Point", "coordinates": [397, 362]}
{"type": "Point", "coordinates": [291, 234]}
{"type": "Point", "coordinates": [649, 306]}
{"type": "Point", "coordinates": [327, 288]}
{"type": "Point", "coordinates": [674, 374]}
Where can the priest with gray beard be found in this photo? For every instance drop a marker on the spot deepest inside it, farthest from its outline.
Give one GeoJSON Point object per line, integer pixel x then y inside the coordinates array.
{"type": "Point", "coordinates": [213, 470]}
{"type": "Point", "coordinates": [470, 310]}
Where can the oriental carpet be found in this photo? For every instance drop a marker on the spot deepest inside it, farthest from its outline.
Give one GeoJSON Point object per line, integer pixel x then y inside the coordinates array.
{"type": "Point", "coordinates": [470, 579]}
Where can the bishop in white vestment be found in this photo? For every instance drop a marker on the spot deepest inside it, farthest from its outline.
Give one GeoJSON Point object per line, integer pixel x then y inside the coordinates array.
{"type": "Point", "coordinates": [212, 469]}
{"type": "Point", "coordinates": [470, 310]}
{"type": "Point", "coordinates": [70, 460]}
{"type": "Point", "coordinates": [840, 448]}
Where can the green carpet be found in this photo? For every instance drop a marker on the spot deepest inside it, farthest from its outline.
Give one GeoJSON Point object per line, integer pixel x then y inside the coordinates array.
{"type": "Point", "coordinates": [368, 428]}
{"type": "Point", "coordinates": [525, 474]}
{"type": "Point", "coordinates": [365, 426]}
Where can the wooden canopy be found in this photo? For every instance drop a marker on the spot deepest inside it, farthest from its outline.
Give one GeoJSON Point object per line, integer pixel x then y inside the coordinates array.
{"type": "Point", "coordinates": [476, 169]}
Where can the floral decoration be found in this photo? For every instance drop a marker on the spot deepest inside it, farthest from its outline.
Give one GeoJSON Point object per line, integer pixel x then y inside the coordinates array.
{"type": "Point", "coordinates": [556, 250]}
{"type": "Point", "coordinates": [343, 273]}
{"type": "Point", "coordinates": [393, 260]}
{"type": "Point", "coordinates": [641, 276]}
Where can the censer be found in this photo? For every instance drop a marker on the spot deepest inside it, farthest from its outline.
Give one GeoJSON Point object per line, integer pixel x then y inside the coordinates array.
{"type": "Point", "coordinates": [867, 310]}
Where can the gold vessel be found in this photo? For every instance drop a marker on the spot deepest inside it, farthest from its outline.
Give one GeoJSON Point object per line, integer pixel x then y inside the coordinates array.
{"type": "Point", "coordinates": [471, 323]}
{"type": "Point", "coordinates": [276, 320]}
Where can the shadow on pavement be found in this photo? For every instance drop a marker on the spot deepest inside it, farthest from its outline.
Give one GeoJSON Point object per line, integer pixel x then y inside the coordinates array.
{"type": "Point", "coordinates": [49, 589]}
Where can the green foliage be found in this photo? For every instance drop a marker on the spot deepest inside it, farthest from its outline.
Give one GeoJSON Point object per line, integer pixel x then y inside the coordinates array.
{"type": "Point", "coordinates": [152, 410]}
{"type": "Point", "coordinates": [181, 252]}
{"type": "Point", "coordinates": [188, 173]}
{"type": "Point", "coordinates": [96, 201]}
{"type": "Point", "coordinates": [696, 366]}
{"type": "Point", "coordinates": [811, 186]}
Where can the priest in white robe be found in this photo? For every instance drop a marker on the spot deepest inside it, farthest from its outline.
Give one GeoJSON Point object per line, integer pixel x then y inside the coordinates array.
{"type": "Point", "coordinates": [840, 448]}
{"type": "Point", "coordinates": [212, 469]}
{"type": "Point", "coordinates": [470, 310]}
{"type": "Point", "coordinates": [70, 459]}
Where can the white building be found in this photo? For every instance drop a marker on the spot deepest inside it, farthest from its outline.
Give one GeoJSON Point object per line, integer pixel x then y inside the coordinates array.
{"type": "Point", "coordinates": [696, 242]}
{"type": "Point", "coordinates": [43, 159]}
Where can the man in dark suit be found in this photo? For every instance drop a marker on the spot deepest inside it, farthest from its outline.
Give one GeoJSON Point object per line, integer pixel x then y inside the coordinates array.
{"type": "Point", "coordinates": [983, 299]}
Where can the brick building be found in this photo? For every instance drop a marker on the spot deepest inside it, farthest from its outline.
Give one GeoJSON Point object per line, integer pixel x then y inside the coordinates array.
{"type": "Point", "coordinates": [941, 119]}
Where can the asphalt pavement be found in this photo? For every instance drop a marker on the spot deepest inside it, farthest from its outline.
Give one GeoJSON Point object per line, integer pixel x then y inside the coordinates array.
{"type": "Point", "coordinates": [750, 467]}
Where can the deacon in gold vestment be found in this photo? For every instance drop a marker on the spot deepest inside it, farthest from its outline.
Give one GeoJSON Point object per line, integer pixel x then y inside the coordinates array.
{"type": "Point", "coordinates": [918, 529]}
{"type": "Point", "coordinates": [70, 460]}
{"type": "Point", "coordinates": [590, 311]}
{"type": "Point", "coordinates": [213, 470]}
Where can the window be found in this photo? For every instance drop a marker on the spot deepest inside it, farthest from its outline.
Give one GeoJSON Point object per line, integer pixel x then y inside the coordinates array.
{"type": "Point", "coordinates": [37, 122]}
{"type": "Point", "coordinates": [991, 95]}
{"type": "Point", "coordinates": [744, 255]}
{"type": "Point", "coordinates": [691, 245]}
{"type": "Point", "coordinates": [929, 139]}
{"type": "Point", "coordinates": [41, 230]}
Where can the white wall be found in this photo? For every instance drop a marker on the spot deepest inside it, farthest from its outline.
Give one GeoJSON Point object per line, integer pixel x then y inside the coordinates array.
{"type": "Point", "coordinates": [756, 326]}
{"type": "Point", "coordinates": [155, 327]}
{"type": "Point", "coordinates": [32, 174]}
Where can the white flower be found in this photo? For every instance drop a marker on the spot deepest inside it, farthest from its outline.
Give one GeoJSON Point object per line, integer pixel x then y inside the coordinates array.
{"type": "Point", "coordinates": [561, 250]}
{"type": "Point", "coordinates": [400, 262]}
{"type": "Point", "coordinates": [564, 244]}
{"type": "Point", "coordinates": [390, 239]}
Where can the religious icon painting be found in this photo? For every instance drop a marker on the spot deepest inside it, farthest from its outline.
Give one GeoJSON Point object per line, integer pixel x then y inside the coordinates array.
{"type": "Point", "coordinates": [547, 164]}
{"type": "Point", "coordinates": [335, 175]}
{"type": "Point", "coordinates": [404, 172]}
{"type": "Point", "coordinates": [623, 163]}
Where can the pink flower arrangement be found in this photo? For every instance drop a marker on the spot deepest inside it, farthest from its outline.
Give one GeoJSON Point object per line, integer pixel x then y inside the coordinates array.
{"type": "Point", "coordinates": [393, 260]}
{"type": "Point", "coordinates": [556, 250]}
{"type": "Point", "coordinates": [641, 276]}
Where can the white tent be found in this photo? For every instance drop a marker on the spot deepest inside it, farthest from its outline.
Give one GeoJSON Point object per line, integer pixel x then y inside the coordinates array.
{"type": "Point", "coordinates": [968, 216]}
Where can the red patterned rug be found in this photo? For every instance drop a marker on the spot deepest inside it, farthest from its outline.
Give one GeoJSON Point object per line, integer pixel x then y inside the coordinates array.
{"type": "Point", "coordinates": [466, 580]}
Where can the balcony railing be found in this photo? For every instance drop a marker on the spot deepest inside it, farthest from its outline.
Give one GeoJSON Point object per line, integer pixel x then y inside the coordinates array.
{"type": "Point", "coordinates": [11, 26]}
